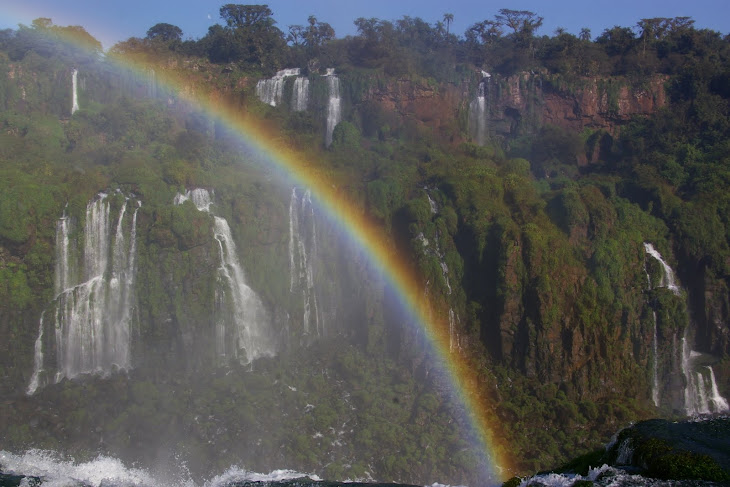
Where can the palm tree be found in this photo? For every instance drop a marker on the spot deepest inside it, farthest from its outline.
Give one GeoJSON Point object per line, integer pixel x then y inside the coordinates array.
{"type": "Point", "coordinates": [448, 18]}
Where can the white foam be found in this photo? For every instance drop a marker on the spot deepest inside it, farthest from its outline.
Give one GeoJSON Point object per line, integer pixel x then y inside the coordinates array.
{"type": "Point", "coordinates": [57, 471]}
{"type": "Point", "coordinates": [237, 474]}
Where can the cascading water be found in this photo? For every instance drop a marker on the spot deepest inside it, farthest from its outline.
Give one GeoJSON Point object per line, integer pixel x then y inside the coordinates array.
{"type": "Point", "coordinates": [74, 91]}
{"type": "Point", "coordinates": [333, 105]}
{"type": "Point", "coordinates": [91, 318]}
{"type": "Point", "coordinates": [701, 394]}
{"type": "Point", "coordinates": [668, 281]}
{"type": "Point", "coordinates": [271, 91]}
{"type": "Point", "coordinates": [302, 260]}
{"type": "Point", "coordinates": [242, 326]}
{"type": "Point", "coordinates": [436, 251]}
{"type": "Point", "coordinates": [300, 96]}
{"type": "Point", "coordinates": [478, 111]}
{"type": "Point", "coordinates": [720, 403]}
{"type": "Point", "coordinates": [699, 381]}
{"type": "Point", "coordinates": [151, 83]}
{"type": "Point", "coordinates": [655, 376]}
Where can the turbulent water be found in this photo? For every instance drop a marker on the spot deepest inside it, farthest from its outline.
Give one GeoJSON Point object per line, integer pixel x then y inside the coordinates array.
{"type": "Point", "coordinates": [38, 467]}
{"type": "Point", "coordinates": [607, 476]}
{"type": "Point", "coordinates": [87, 327]}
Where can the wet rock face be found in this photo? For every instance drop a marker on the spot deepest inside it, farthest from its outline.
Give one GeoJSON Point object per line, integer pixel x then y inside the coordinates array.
{"type": "Point", "coordinates": [696, 450]}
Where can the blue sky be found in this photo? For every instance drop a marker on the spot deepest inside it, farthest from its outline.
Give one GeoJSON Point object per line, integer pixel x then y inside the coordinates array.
{"type": "Point", "coordinates": [111, 21]}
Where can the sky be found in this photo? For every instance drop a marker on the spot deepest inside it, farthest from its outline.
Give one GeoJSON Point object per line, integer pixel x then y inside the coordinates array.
{"type": "Point", "coordinates": [113, 21]}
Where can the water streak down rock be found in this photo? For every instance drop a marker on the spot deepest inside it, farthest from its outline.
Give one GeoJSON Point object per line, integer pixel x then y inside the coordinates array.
{"type": "Point", "coordinates": [303, 260]}
{"type": "Point", "coordinates": [242, 323]}
{"type": "Point", "coordinates": [92, 312]}
{"type": "Point", "coordinates": [300, 95]}
{"type": "Point", "coordinates": [479, 111]}
{"type": "Point", "coordinates": [74, 91]}
{"type": "Point", "coordinates": [333, 105]}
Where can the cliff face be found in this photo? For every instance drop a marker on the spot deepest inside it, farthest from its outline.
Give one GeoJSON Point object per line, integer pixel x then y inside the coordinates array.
{"type": "Point", "coordinates": [521, 104]}
{"type": "Point", "coordinates": [593, 103]}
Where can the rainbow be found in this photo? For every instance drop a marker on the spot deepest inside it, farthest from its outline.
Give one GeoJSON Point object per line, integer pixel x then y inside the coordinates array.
{"type": "Point", "coordinates": [466, 378]}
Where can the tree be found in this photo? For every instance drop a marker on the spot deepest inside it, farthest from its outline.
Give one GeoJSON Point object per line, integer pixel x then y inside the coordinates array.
{"type": "Point", "coordinates": [317, 33]}
{"type": "Point", "coordinates": [617, 40]}
{"type": "Point", "coordinates": [245, 16]}
{"type": "Point", "coordinates": [296, 34]}
{"type": "Point", "coordinates": [484, 32]}
{"type": "Point", "coordinates": [80, 37]}
{"type": "Point", "coordinates": [585, 34]}
{"type": "Point", "coordinates": [523, 24]}
{"type": "Point", "coordinates": [249, 37]}
{"type": "Point", "coordinates": [448, 18]}
{"type": "Point", "coordinates": [520, 21]}
{"type": "Point", "coordinates": [164, 32]}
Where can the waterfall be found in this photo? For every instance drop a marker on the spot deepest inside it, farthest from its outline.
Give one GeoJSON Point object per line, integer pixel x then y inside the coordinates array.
{"type": "Point", "coordinates": [655, 347]}
{"type": "Point", "coordinates": [655, 377]}
{"type": "Point", "coordinates": [300, 96]}
{"type": "Point", "coordinates": [242, 324]}
{"type": "Point", "coordinates": [151, 83]}
{"type": "Point", "coordinates": [92, 316]}
{"type": "Point", "coordinates": [333, 105]}
{"type": "Point", "coordinates": [668, 281]}
{"type": "Point", "coordinates": [625, 453]}
{"type": "Point", "coordinates": [302, 260]}
{"type": "Point", "coordinates": [251, 334]}
{"type": "Point", "coordinates": [453, 334]}
{"type": "Point", "coordinates": [74, 91]}
{"type": "Point", "coordinates": [200, 197]}
{"type": "Point", "coordinates": [37, 359]}
{"type": "Point", "coordinates": [62, 276]}
{"type": "Point", "coordinates": [720, 403]}
{"type": "Point", "coordinates": [478, 111]}
{"type": "Point", "coordinates": [271, 91]}
{"type": "Point", "coordinates": [694, 389]}
{"type": "Point", "coordinates": [701, 395]}
{"type": "Point", "coordinates": [432, 204]}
